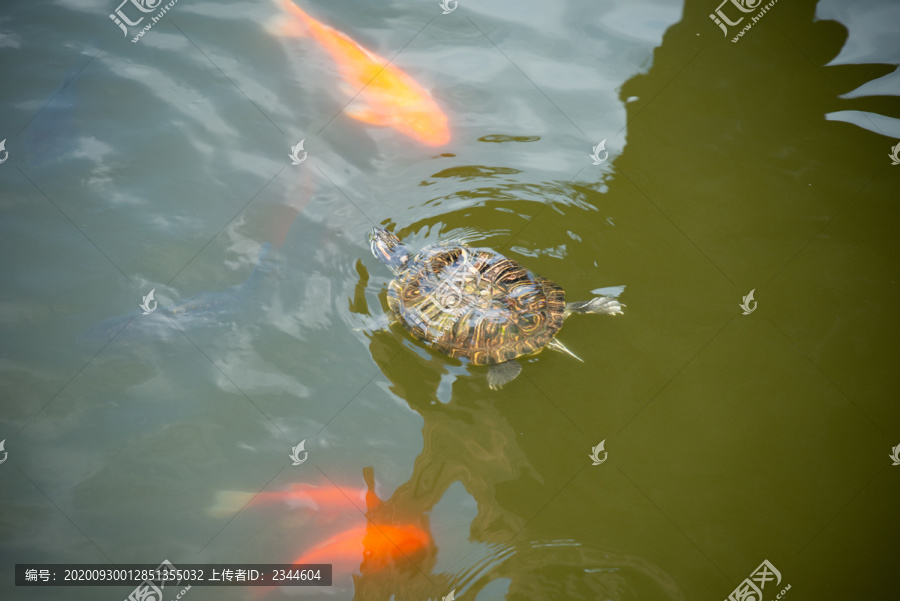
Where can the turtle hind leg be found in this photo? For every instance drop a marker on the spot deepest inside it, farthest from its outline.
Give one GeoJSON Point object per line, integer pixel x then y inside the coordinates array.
{"type": "Point", "coordinates": [606, 305]}
{"type": "Point", "coordinates": [503, 373]}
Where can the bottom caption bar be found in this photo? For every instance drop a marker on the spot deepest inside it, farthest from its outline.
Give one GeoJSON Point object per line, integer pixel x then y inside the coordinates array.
{"type": "Point", "coordinates": [167, 575]}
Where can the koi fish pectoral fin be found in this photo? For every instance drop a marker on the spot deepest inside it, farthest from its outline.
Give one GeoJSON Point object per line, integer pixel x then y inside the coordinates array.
{"type": "Point", "coordinates": [363, 112]}
{"type": "Point", "coordinates": [286, 27]}
{"type": "Point", "coordinates": [347, 90]}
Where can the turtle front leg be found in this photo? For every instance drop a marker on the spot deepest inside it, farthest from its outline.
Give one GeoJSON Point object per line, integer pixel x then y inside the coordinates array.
{"type": "Point", "coordinates": [602, 304]}
{"type": "Point", "coordinates": [376, 324]}
{"type": "Point", "coordinates": [502, 373]}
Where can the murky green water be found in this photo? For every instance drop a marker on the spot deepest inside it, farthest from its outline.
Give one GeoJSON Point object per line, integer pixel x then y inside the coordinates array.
{"type": "Point", "coordinates": [729, 439]}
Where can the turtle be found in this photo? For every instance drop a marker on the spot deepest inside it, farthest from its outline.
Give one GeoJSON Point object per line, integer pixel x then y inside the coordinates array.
{"type": "Point", "coordinates": [476, 304]}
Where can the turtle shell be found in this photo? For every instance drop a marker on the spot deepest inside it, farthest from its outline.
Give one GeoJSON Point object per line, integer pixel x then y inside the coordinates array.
{"type": "Point", "coordinates": [476, 304]}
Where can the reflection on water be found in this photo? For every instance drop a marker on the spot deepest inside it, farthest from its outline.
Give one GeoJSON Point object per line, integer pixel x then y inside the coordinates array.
{"type": "Point", "coordinates": [724, 162]}
{"type": "Point", "coordinates": [469, 440]}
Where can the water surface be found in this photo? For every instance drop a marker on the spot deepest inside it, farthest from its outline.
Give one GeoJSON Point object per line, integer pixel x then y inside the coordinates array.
{"type": "Point", "coordinates": [163, 165]}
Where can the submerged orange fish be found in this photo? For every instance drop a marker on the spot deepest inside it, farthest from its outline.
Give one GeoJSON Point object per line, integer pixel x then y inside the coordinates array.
{"type": "Point", "coordinates": [367, 547]}
{"type": "Point", "coordinates": [387, 96]}
{"type": "Point", "coordinates": [364, 549]}
{"type": "Point", "coordinates": [326, 500]}
{"type": "Point", "coordinates": [377, 546]}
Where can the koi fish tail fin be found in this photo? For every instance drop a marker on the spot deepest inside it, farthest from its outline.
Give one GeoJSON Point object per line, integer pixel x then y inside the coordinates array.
{"type": "Point", "coordinates": [372, 500]}
{"type": "Point", "coordinates": [228, 502]}
{"type": "Point", "coordinates": [292, 24]}
{"type": "Point", "coordinates": [283, 216]}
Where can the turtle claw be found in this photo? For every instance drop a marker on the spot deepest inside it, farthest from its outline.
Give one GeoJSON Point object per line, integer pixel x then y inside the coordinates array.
{"type": "Point", "coordinates": [559, 346]}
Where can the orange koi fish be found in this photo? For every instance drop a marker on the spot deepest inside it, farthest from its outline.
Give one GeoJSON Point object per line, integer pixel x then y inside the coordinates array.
{"type": "Point", "coordinates": [376, 545]}
{"type": "Point", "coordinates": [368, 546]}
{"type": "Point", "coordinates": [327, 501]}
{"type": "Point", "coordinates": [387, 96]}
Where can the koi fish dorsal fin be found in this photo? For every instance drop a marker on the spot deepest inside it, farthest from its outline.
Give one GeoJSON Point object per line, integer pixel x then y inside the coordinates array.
{"type": "Point", "coordinates": [372, 500]}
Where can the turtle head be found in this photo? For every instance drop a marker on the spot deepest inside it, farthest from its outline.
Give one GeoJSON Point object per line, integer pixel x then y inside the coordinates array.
{"type": "Point", "coordinates": [388, 249]}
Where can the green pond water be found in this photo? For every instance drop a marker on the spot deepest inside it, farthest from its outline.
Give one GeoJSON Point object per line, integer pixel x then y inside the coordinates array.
{"type": "Point", "coordinates": [746, 441]}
